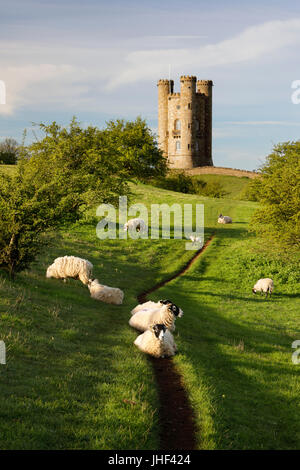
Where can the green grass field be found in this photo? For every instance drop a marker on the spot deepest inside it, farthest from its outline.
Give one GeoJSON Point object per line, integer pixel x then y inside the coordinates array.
{"type": "Point", "coordinates": [74, 379]}
{"type": "Point", "coordinates": [233, 186]}
{"type": "Point", "coordinates": [8, 169]}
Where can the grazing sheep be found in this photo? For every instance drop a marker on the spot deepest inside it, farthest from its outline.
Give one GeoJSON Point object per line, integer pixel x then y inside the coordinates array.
{"type": "Point", "coordinates": [146, 306]}
{"type": "Point", "coordinates": [195, 239]}
{"type": "Point", "coordinates": [71, 266]}
{"type": "Point", "coordinates": [138, 225]}
{"type": "Point", "coordinates": [166, 315]}
{"type": "Point", "coordinates": [265, 286]}
{"type": "Point", "coordinates": [109, 295]}
{"type": "Point", "coordinates": [224, 219]}
{"type": "Point", "coordinates": [157, 341]}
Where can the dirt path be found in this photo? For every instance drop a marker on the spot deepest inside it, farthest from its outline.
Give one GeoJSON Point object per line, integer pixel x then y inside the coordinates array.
{"type": "Point", "coordinates": [177, 423]}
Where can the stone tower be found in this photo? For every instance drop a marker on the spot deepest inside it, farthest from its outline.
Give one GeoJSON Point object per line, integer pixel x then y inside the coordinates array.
{"type": "Point", "coordinates": [185, 122]}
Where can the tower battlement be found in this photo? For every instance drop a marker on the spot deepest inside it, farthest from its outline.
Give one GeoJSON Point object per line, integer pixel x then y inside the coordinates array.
{"type": "Point", "coordinates": [185, 122]}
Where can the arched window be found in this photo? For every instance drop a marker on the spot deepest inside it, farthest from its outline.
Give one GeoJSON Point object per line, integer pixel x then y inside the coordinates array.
{"type": "Point", "coordinates": [197, 125]}
{"type": "Point", "coordinates": [178, 145]}
{"type": "Point", "coordinates": [177, 124]}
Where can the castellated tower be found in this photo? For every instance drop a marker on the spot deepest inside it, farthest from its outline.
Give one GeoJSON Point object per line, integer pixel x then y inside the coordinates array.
{"type": "Point", "coordinates": [185, 122]}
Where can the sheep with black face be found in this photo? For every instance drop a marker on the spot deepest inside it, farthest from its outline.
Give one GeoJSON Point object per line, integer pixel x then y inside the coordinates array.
{"type": "Point", "coordinates": [165, 314]}
{"type": "Point", "coordinates": [157, 341]}
{"type": "Point", "coordinates": [150, 305]}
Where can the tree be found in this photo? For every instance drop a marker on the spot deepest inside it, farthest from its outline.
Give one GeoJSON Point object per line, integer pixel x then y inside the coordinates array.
{"type": "Point", "coordinates": [278, 190]}
{"type": "Point", "coordinates": [140, 155]}
{"type": "Point", "coordinates": [9, 149]}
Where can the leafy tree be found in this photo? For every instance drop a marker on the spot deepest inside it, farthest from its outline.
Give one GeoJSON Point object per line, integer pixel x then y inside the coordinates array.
{"type": "Point", "coordinates": [136, 143]}
{"type": "Point", "coordinates": [278, 190]}
{"type": "Point", "coordinates": [9, 149]}
{"type": "Point", "coordinates": [79, 165]}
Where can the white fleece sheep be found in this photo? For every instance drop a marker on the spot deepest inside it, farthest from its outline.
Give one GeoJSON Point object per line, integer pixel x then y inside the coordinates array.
{"type": "Point", "coordinates": [109, 295]}
{"type": "Point", "coordinates": [136, 225]}
{"type": "Point", "coordinates": [265, 286]}
{"type": "Point", "coordinates": [150, 305]}
{"type": "Point", "coordinates": [224, 219]}
{"type": "Point", "coordinates": [157, 341]}
{"type": "Point", "coordinates": [165, 314]}
{"type": "Point", "coordinates": [70, 266]}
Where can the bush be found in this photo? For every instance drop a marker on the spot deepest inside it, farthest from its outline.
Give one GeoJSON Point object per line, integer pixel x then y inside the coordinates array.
{"type": "Point", "coordinates": [181, 182]}
{"type": "Point", "coordinates": [9, 150]}
{"type": "Point", "coordinates": [278, 190]}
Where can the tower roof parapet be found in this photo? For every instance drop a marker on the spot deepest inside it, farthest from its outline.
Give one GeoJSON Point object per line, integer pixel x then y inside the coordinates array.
{"type": "Point", "coordinates": [205, 82]}
{"type": "Point", "coordinates": [164, 81]}
{"type": "Point", "coordinates": [188, 78]}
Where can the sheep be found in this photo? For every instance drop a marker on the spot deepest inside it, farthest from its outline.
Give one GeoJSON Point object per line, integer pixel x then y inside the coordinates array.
{"type": "Point", "coordinates": [70, 266]}
{"type": "Point", "coordinates": [146, 306]}
{"type": "Point", "coordinates": [195, 239]}
{"type": "Point", "coordinates": [109, 295]}
{"type": "Point", "coordinates": [224, 219]}
{"type": "Point", "coordinates": [138, 225]}
{"type": "Point", "coordinates": [264, 286]}
{"type": "Point", "coordinates": [157, 341]}
{"type": "Point", "coordinates": [166, 314]}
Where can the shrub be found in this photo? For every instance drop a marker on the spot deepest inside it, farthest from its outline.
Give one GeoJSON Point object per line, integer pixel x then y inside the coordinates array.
{"type": "Point", "coordinates": [278, 189]}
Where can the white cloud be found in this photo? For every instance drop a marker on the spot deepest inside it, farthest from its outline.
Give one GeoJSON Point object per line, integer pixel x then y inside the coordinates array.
{"type": "Point", "coordinates": [253, 43]}
{"type": "Point", "coordinates": [39, 75]}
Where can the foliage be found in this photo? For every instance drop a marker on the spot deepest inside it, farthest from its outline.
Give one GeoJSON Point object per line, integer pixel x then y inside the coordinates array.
{"type": "Point", "coordinates": [137, 147]}
{"type": "Point", "coordinates": [278, 189]}
{"type": "Point", "coordinates": [9, 150]}
{"type": "Point", "coordinates": [181, 182]}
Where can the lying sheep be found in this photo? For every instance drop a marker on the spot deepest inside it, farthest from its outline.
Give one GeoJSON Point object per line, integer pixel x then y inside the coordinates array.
{"type": "Point", "coordinates": [70, 266]}
{"type": "Point", "coordinates": [138, 225]}
{"type": "Point", "coordinates": [166, 314]}
{"type": "Point", "coordinates": [109, 295]}
{"type": "Point", "coordinates": [224, 219]}
{"type": "Point", "coordinates": [150, 305]}
{"type": "Point", "coordinates": [157, 341]}
{"type": "Point", "coordinates": [265, 286]}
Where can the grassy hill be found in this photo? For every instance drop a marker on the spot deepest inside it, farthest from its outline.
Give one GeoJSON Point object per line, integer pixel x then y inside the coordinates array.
{"type": "Point", "coordinates": [74, 379]}
{"type": "Point", "coordinates": [234, 186]}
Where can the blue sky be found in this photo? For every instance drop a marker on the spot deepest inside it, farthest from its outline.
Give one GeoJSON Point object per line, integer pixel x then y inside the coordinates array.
{"type": "Point", "coordinates": [101, 60]}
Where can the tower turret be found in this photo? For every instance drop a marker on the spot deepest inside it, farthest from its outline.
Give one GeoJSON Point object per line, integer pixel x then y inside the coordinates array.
{"type": "Point", "coordinates": [187, 112]}
{"type": "Point", "coordinates": [164, 88]}
{"type": "Point", "coordinates": [204, 87]}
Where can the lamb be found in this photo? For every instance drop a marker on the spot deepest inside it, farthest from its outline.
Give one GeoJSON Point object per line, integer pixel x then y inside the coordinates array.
{"type": "Point", "coordinates": [264, 286]}
{"type": "Point", "coordinates": [70, 266]}
{"type": "Point", "coordinates": [109, 295]}
{"type": "Point", "coordinates": [157, 341]}
{"type": "Point", "coordinates": [165, 314]}
{"type": "Point", "coordinates": [137, 224]}
{"type": "Point", "coordinates": [149, 306]}
{"type": "Point", "coordinates": [224, 219]}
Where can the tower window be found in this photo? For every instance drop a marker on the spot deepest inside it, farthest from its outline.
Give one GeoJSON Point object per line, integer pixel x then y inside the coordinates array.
{"type": "Point", "coordinates": [177, 125]}
{"type": "Point", "coordinates": [197, 146]}
{"type": "Point", "coordinates": [197, 125]}
{"type": "Point", "coordinates": [178, 146]}
{"type": "Point", "coordinates": [189, 106]}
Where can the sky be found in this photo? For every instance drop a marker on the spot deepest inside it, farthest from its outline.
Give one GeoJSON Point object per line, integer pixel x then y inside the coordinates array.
{"type": "Point", "coordinates": [100, 60]}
